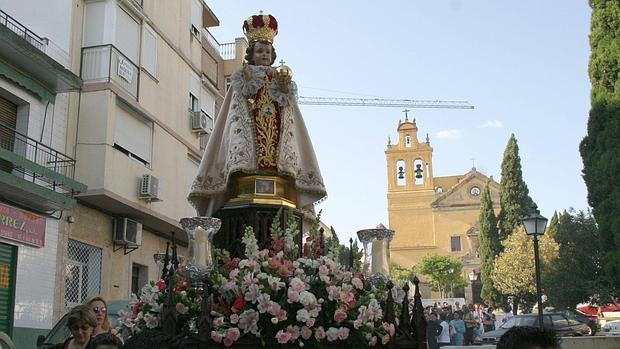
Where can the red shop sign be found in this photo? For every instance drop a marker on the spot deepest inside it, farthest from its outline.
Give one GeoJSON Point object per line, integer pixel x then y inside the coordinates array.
{"type": "Point", "coordinates": [23, 226]}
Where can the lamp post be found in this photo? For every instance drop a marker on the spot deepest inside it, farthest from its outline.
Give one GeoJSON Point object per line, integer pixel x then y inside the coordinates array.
{"type": "Point", "coordinates": [473, 276]}
{"type": "Point", "coordinates": [451, 271]}
{"type": "Point", "coordinates": [535, 225]}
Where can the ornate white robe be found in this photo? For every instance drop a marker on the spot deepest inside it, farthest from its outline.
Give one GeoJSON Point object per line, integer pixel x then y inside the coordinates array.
{"type": "Point", "coordinates": [232, 146]}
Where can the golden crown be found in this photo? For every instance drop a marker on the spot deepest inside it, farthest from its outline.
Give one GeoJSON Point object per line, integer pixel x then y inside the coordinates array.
{"type": "Point", "coordinates": [260, 27]}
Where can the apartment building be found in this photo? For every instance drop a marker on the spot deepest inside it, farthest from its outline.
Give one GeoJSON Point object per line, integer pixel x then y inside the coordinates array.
{"type": "Point", "coordinates": [122, 104]}
{"type": "Point", "coordinates": [37, 84]}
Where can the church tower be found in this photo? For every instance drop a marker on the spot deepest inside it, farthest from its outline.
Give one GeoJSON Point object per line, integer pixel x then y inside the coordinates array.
{"type": "Point", "coordinates": [410, 187]}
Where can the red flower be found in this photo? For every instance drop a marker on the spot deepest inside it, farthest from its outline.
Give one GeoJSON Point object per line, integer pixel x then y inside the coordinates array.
{"type": "Point", "coordinates": [238, 305]}
{"type": "Point", "coordinates": [161, 284]}
{"type": "Point", "coordinates": [136, 308]}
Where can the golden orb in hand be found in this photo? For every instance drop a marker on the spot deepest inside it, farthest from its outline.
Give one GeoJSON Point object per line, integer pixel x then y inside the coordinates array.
{"type": "Point", "coordinates": [284, 71]}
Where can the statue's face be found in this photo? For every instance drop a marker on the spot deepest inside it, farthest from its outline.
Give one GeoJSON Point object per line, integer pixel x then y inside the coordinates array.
{"type": "Point", "coordinates": [262, 54]}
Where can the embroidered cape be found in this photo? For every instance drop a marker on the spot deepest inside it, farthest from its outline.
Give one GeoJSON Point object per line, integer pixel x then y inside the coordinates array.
{"type": "Point", "coordinates": [233, 145]}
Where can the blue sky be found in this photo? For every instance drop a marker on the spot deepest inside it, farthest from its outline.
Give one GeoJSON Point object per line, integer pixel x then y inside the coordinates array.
{"type": "Point", "coordinates": [522, 64]}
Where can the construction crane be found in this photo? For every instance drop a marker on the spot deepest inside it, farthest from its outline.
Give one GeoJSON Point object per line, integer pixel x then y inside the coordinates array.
{"type": "Point", "coordinates": [384, 102]}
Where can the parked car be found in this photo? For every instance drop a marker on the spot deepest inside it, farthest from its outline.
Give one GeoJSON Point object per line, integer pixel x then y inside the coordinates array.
{"type": "Point", "coordinates": [59, 333]}
{"type": "Point", "coordinates": [591, 321]}
{"type": "Point", "coordinates": [562, 324]}
{"type": "Point", "coordinates": [5, 341]}
{"type": "Point", "coordinates": [611, 328]}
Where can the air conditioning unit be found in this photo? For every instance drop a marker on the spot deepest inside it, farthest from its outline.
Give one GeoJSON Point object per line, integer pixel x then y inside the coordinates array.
{"type": "Point", "coordinates": [198, 121]}
{"type": "Point", "coordinates": [148, 188]}
{"type": "Point", "coordinates": [127, 232]}
{"type": "Point", "coordinates": [204, 139]}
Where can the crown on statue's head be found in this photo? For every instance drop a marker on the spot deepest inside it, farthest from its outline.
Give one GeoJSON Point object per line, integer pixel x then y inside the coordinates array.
{"type": "Point", "coordinates": [260, 27]}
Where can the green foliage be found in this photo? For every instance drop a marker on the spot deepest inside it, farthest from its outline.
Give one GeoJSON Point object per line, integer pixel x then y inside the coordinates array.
{"type": "Point", "coordinates": [600, 149]}
{"type": "Point", "coordinates": [490, 247]}
{"type": "Point", "coordinates": [514, 272]}
{"type": "Point", "coordinates": [400, 275]}
{"type": "Point", "coordinates": [578, 263]}
{"type": "Point", "coordinates": [444, 272]}
{"type": "Point", "coordinates": [513, 195]}
{"type": "Point", "coordinates": [343, 256]}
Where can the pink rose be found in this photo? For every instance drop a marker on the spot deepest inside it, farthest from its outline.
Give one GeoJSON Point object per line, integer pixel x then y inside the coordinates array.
{"type": "Point", "coordinates": [233, 334]}
{"type": "Point", "coordinates": [283, 337]}
{"type": "Point", "coordinates": [292, 295]}
{"type": "Point", "coordinates": [216, 336]}
{"type": "Point", "coordinates": [310, 322]}
{"type": "Point", "coordinates": [306, 333]}
{"type": "Point", "coordinates": [219, 321]}
{"type": "Point", "coordinates": [343, 333]}
{"type": "Point", "coordinates": [357, 324]}
{"type": "Point", "coordinates": [357, 283]}
{"type": "Point", "coordinates": [181, 308]}
{"type": "Point", "coordinates": [293, 331]}
{"type": "Point", "coordinates": [340, 315]}
{"type": "Point", "coordinates": [389, 328]}
{"type": "Point", "coordinates": [323, 270]}
{"type": "Point", "coordinates": [319, 333]}
{"type": "Point", "coordinates": [234, 318]}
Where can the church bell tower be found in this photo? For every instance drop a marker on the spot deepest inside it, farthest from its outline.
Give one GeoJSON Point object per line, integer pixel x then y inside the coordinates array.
{"type": "Point", "coordinates": [410, 187]}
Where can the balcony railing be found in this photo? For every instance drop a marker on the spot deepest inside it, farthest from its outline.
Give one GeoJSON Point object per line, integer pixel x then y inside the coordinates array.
{"type": "Point", "coordinates": [40, 160]}
{"type": "Point", "coordinates": [227, 50]}
{"type": "Point", "coordinates": [106, 63]}
{"type": "Point", "coordinates": [22, 31]}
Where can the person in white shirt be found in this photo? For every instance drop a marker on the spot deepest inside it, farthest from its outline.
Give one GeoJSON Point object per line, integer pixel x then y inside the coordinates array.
{"type": "Point", "coordinates": [443, 340]}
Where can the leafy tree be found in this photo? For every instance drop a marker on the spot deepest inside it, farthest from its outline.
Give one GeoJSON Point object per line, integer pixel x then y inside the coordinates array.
{"type": "Point", "coordinates": [514, 272]}
{"type": "Point", "coordinates": [600, 149]}
{"type": "Point", "coordinates": [400, 275]}
{"type": "Point", "coordinates": [490, 247]}
{"type": "Point", "coordinates": [552, 228]}
{"type": "Point", "coordinates": [513, 195]}
{"type": "Point", "coordinates": [578, 263]}
{"type": "Point", "coordinates": [444, 272]}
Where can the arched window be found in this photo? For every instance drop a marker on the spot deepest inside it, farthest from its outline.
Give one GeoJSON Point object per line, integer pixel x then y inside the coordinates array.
{"type": "Point", "coordinates": [408, 141]}
{"type": "Point", "coordinates": [401, 173]}
{"type": "Point", "coordinates": [418, 170]}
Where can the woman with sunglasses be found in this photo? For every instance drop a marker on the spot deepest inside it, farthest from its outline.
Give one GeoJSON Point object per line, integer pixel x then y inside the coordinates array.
{"type": "Point", "coordinates": [81, 322]}
{"type": "Point", "coordinates": [100, 308]}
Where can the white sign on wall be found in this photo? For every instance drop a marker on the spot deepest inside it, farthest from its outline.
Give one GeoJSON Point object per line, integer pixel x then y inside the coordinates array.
{"type": "Point", "coordinates": [125, 70]}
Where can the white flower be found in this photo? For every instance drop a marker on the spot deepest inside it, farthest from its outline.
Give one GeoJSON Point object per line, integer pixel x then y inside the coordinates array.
{"type": "Point", "coordinates": [297, 284]}
{"type": "Point", "coordinates": [264, 303]}
{"type": "Point", "coordinates": [248, 321]}
{"type": "Point", "coordinates": [252, 293]}
{"type": "Point", "coordinates": [303, 315]}
{"type": "Point", "coordinates": [307, 299]}
{"type": "Point", "coordinates": [274, 283]}
{"type": "Point", "coordinates": [151, 320]}
{"type": "Point", "coordinates": [332, 334]}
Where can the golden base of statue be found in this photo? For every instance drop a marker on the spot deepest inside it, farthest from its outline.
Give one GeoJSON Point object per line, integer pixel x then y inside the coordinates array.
{"type": "Point", "coordinates": [262, 190]}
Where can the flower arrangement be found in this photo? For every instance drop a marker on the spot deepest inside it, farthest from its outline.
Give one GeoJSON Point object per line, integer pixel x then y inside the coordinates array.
{"type": "Point", "coordinates": [276, 296]}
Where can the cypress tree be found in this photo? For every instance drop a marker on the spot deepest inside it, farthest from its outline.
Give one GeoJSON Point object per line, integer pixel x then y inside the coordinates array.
{"type": "Point", "coordinates": [514, 199]}
{"type": "Point", "coordinates": [600, 149]}
{"type": "Point", "coordinates": [490, 247]}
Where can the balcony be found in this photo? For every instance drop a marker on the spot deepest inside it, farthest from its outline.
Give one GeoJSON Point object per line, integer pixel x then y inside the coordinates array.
{"type": "Point", "coordinates": [24, 61]}
{"type": "Point", "coordinates": [35, 175]}
{"type": "Point", "coordinates": [228, 50]}
{"type": "Point", "coordinates": [106, 64]}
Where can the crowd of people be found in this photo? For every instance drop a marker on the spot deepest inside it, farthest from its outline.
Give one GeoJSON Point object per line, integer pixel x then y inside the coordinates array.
{"type": "Point", "coordinates": [457, 325]}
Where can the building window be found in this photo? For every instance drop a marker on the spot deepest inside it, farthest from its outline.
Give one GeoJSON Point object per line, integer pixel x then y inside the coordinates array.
{"type": "Point", "coordinates": [133, 135]}
{"type": "Point", "coordinates": [139, 277]}
{"type": "Point", "coordinates": [149, 50]}
{"type": "Point", "coordinates": [193, 103]}
{"type": "Point", "coordinates": [196, 24]}
{"type": "Point", "coordinates": [227, 84]}
{"type": "Point", "coordinates": [408, 141]}
{"type": "Point", "coordinates": [455, 243]}
{"type": "Point", "coordinates": [82, 273]}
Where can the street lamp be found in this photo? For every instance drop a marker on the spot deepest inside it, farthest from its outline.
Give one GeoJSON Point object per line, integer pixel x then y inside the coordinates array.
{"type": "Point", "coordinates": [535, 225]}
{"type": "Point", "coordinates": [473, 276]}
{"type": "Point", "coordinates": [451, 271]}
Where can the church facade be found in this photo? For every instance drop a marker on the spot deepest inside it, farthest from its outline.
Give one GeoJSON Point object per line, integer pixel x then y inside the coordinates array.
{"type": "Point", "coordinates": [433, 215]}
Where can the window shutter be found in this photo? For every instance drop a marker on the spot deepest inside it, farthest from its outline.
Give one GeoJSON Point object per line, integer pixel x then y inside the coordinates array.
{"type": "Point", "coordinates": [133, 133]}
{"type": "Point", "coordinates": [149, 50]}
